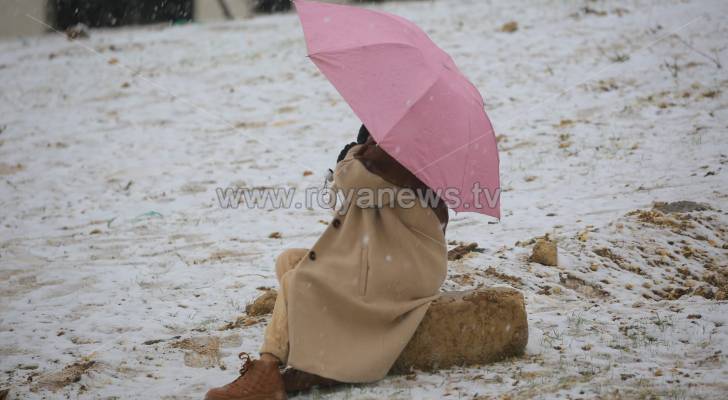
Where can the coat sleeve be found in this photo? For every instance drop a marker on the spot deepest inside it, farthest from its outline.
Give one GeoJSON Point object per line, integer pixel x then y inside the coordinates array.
{"type": "Point", "coordinates": [383, 171]}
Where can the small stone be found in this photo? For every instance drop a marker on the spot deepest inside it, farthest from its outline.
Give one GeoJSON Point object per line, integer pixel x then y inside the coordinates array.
{"type": "Point", "coordinates": [545, 253]}
{"type": "Point", "coordinates": [509, 27]}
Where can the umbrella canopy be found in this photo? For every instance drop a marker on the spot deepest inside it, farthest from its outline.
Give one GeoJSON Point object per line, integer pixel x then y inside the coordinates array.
{"type": "Point", "coordinates": [411, 96]}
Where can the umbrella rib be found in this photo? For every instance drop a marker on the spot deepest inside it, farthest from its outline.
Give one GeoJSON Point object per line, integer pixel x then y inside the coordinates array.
{"type": "Point", "coordinates": [467, 153]}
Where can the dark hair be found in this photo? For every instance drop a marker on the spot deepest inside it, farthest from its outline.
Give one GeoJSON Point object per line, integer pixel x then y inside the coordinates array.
{"type": "Point", "coordinates": [363, 135]}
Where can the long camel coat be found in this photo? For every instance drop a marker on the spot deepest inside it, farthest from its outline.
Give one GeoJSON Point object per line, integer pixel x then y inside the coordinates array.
{"type": "Point", "coordinates": [357, 298]}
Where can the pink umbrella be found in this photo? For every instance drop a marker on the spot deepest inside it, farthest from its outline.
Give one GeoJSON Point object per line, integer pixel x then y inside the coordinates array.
{"type": "Point", "coordinates": [411, 96]}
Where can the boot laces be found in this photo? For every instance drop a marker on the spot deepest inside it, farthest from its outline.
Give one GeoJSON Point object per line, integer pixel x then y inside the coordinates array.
{"type": "Point", "coordinates": [247, 362]}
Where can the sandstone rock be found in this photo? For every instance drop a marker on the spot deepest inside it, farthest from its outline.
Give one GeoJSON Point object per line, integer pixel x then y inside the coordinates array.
{"type": "Point", "coordinates": [263, 304]}
{"type": "Point", "coordinates": [460, 328]}
{"type": "Point", "coordinates": [467, 328]}
{"type": "Point", "coordinates": [545, 252]}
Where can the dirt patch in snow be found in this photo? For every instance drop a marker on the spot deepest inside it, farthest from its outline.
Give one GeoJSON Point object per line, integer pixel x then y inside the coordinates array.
{"type": "Point", "coordinates": [669, 251]}
{"type": "Point", "coordinates": [263, 304]}
{"type": "Point", "coordinates": [69, 374]}
{"type": "Point", "coordinates": [7, 169]}
{"type": "Point", "coordinates": [570, 281]}
{"type": "Point", "coordinates": [200, 352]}
{"type": "Point", "coordinates": [680, 206]}
{"type": "Point", "coordinates": [462, 250]}
{"type": "Point", "coordinates": [513, 280]}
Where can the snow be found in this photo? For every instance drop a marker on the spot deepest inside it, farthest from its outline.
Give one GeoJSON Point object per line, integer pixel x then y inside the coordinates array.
{"type": "Point", "coordinates": [112, 148]}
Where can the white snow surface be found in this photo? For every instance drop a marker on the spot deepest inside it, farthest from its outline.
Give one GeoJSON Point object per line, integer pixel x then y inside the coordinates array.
{"type": "Point", "coordinates": [111, 235]}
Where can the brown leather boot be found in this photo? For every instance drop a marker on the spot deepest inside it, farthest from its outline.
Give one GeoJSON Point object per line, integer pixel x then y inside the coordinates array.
{"type": "Point", "coordinates": [258, 380]}
{"type": "Point", "coordinates": [296, 381]}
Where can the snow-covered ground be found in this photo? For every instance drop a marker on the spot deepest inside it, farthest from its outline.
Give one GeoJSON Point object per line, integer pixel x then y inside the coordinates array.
{"type": "Point", "coordinates": [114, 250]}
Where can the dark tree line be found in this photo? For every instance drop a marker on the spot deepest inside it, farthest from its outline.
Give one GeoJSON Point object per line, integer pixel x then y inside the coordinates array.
{"type": "Point", "coordinates": [107, 13]}
{"type": "Point", "coordinates": [270, 6]}
{"type": "Point", "coordinates": [104, 13]}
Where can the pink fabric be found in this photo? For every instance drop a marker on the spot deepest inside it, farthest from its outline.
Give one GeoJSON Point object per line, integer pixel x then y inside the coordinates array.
{"type": "Point", "coordinates": [410, 95]}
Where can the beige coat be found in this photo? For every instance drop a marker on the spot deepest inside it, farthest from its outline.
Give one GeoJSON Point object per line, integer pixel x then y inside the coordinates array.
{"type": "Point", "coordinates": [356, 299]}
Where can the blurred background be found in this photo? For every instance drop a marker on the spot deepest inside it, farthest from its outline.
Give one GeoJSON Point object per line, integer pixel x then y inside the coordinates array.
{"type": "Point", "coordinates": [123, 277]}
{"type": "Point", "coordinates": [63, 14]}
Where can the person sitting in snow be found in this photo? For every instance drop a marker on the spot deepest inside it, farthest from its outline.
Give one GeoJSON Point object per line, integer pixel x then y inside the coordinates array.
{"type": "Point", "coordinates": [348, 306]}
